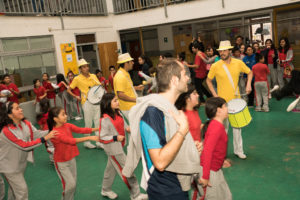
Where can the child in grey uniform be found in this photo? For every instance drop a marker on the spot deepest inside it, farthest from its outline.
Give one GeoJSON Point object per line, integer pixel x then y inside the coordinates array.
{"type": "Point", "coordinates": [17, 140]}
{"type": "Point", "coordinates": [112, 135]}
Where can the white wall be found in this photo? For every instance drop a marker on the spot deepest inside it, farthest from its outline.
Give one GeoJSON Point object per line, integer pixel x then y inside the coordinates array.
{"type": "Point", "coordinates": [165, 32]}
{"type": "Point", "coordinates": [36, 26]}
{"type": "Point", "coordinates": [196, 9]}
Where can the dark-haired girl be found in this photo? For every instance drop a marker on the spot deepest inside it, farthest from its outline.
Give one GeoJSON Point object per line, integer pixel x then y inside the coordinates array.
{"type": "Point", "coordinates": [49, 89]}
{"type": "Point", "coordinates": [271, 56]}
{"type": "Point", "coordinates": [62, 93]}
{"type": "Point", "coordinates": [17, 140]}
{"type": "Point", "coordinates": [65, 149]}
{"type": "Point", "coordinates": [112, 135]}
{"type": "Point", "coordinates": [41, 119]}
{"type": "Point", "coordinates": [40, 93]}
{"type": "Point", "coordinates": [214, 150]}
{"type": "Point", "coordinates": [75, 105]}
{"type": "Point", "coordinates": [286, 56]}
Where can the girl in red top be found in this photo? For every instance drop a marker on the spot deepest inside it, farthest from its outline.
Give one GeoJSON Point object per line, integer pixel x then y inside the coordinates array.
{"type": "Point", "coordinates": [66, 149]}
{"type": "Point", "coordinates": [189, 103]}
{"type": "Point", "coordinates": [214, 150]}
{"type": "Point", "coordinates": [40, 93]}
{"type": "Point", "coordinates": [286, 56]}
{"type": "Point", "coordinates": [112, 135]}
{"type": "Point", "coordinates": [75, 105]}
{"type": "Point", "coordinates": [112, 71]}
{"type": "Point", "coordinates": [63, 94]}
{"type": "Point", "coordinates": [12, 88]}
{"type": "Point", "coordinates": [49, 89]}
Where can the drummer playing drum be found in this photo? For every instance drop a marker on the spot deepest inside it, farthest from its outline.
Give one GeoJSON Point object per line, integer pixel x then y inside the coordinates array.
{"type": "Point", "coordinates": [227, 71]}
{"type": "Point", "coordinates": [84, 81]}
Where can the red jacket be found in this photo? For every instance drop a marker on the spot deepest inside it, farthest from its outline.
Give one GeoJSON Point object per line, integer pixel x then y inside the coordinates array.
{"type": "Point", "coordinates": [14, 98]}
{"type": "Point", "coordinates": [65, 144]}
{"type": "Point", "coordinates": [39, 92]}
{"type": "Point", "coordinates": [50, 93]}
{"type": "Point", "coordinates": [214, 149]}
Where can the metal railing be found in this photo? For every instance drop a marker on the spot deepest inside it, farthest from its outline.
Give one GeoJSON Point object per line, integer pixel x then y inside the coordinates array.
{"type": "Point", "coordinates": [53, 7]}
{"type": "Point", "coordinates": [123, 6]}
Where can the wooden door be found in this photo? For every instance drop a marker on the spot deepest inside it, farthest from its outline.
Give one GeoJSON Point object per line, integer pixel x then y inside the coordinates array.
{"type": "Point", "coordinates": [108, 54]}
{"type": "Point", "coordinates": [181, 43]}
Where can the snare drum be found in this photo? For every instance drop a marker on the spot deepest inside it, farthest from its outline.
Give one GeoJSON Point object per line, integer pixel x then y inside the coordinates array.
{"type": "Point", "coordinates": [238, 113]}
{"type": "Point", "coordinates": [95, 94]}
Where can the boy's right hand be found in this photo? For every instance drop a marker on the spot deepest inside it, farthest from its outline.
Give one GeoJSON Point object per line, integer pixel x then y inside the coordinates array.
{"type": "Point", "coordinates": [120, 138]}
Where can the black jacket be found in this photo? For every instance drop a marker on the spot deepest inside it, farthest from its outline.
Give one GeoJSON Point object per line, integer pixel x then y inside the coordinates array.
{"type": "Point", "coordinates": [265, 52]}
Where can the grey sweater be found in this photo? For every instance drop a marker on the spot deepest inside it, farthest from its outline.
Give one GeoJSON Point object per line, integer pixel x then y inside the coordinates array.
{"type": "Point", "coordinates": [16, 146]}
{"type": "Point", "coordinates": [187, 161]}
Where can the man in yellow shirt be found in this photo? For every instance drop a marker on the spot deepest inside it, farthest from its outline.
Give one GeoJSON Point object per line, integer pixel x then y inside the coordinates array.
{"type": "Point", "coordinates": [84, 81]}
{"type": "Point", "coordinates": [225, 86]}
{"type": "Point", "coordinates": [123, 86]}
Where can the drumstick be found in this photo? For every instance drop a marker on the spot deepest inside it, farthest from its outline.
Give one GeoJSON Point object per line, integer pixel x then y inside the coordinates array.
{"type": "Point", "coordinates": [293, 105]}
{"type": "Point", "coordinates": [97, 89]}
{"type": "Point", "coordinates": [276, 87]}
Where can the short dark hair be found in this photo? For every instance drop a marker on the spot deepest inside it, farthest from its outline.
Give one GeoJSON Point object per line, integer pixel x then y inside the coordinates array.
{"type": "Point", "coordinates": [111, 67]}
{"type": "Point", "coordinates": [166, 69]}
{"type": "Point", "coordinates": [198, 46]}
{"type": "Point", "coordinates": [34, 81]}
{"type": "Point", "coordinates": [258, 57]}
{"type": "Point", "coordinates": [167, 55]}
{"type": "Point", "coordinates": [239, 36]}
{"type": "Point", "coordinates": [181, 55]}
{"type": "Point", "coordinates": [236, 49]}
{"type": "Point", "coordinates": [97, 71]}
{"type": "Point", "coordinates": [247, 47]}
{"type": "Point", "coordinates": [5, 75]}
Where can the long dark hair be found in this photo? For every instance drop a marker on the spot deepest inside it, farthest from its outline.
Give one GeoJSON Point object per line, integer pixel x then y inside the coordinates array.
{"type": "Point", "coordinates": [105, 105]}
{"type": "Point", "coordinates": [45, 105]}
{"type": "Point", "coordinates": [181, 55]}
{"type": "Point", "coordinates": [147, 60]}
{"type": "Point", "coordinates": [53, 112]}
{"type": "Point", "coordinates": [181, 101]}
{"type": "Point", "coordinates": [6, 109]}
{"type": "Point", "coordinates": [272, 44]}
{"type": "Point", "coordinates": [47, 75]}
{"type": "Point", "coordinates": [60, 78]}
{"type": "Point", "coordinates": [287, 45]}
{"type": "Point", "coordinates": [211, 106]}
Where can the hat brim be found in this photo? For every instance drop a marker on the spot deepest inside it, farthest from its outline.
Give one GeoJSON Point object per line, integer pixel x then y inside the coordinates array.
{"type": "Point", "coordinates": [83, 64]}
{"type": "Point", "coordinates": [225, 48]}
{"type": "Point", "coordinates": [124, 61]}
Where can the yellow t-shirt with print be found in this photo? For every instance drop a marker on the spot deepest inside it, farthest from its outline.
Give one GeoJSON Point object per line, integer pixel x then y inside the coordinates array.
{"type": "Point", "coordinates": [123, 83]}
{"type": "Point", "coordinates": [224, 86]}
{"type": "Point", "coordinates": [84, 84]}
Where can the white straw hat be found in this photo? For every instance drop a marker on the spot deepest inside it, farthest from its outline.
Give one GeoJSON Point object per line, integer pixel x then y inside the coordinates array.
{"type": "Point", "coordinates": [82, 62]}
{"type": "Point", "coordinates": [123, 58]}
{"type": "Point", "coordinates": [224, 45]}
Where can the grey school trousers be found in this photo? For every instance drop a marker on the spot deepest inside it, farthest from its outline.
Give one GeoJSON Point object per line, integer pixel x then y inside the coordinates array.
{"type": "Point", "coordinates": [115, 164]}
{"type": "Point", "coordinates": [237, 138]}
{"type": "Point", "coordinates": [91, 114]}
{"type": "Point", "coordinates": [67, 172]}
{"type": "Point", "coordinates": [261, 95]}
{"type": "Point", "coordinates": [219, 189]}
{"type": "Point", "coordinates": [17, 186]}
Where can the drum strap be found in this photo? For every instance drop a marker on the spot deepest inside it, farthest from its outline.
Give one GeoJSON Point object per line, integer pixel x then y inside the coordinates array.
{"type": "Point", "coordinates": [230, 79]}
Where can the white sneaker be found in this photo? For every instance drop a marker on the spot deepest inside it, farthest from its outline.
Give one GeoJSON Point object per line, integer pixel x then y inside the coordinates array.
{"type": "Point", "coordinates": [89, 145]}
{"type": "Point", "coordinates": [99, 145]}
{"type": "Point", "coordinates": [109, 194]}
{"type": "Point", "coordinates": [78, 118]}
{"type": "Point", "coordinates": [241, 156]}
{"type": "Point", "coordinates": [140, 197]}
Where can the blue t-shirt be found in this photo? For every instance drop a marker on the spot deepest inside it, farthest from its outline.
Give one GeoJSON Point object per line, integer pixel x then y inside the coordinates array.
{"type": "Point", "coordinates": [161, 185]}
{"type": "Point", "coordinates": [250, 61]}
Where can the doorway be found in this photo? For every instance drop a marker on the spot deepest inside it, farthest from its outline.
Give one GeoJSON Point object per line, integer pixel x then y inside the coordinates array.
{"type": "Point", "coordinates": [87, 48]}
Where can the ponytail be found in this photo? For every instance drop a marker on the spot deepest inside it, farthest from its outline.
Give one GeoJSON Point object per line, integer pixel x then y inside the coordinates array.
{"type": "Point", "coordinates": [204, 129]}
{"type": "Point", "coordinates": [53, 112]}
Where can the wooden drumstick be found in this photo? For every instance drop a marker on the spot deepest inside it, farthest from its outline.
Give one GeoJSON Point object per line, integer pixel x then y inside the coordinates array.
{"type": "Point", "coordinates": [97, 89]}
{"type": "Point", "coordinates": [293, 105]}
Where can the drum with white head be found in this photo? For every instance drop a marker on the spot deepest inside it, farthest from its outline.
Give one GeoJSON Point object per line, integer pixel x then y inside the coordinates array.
{"type": "Point", "coordinates": [95, 94]}
{"type": "Point", "coordinates": [238, 113]}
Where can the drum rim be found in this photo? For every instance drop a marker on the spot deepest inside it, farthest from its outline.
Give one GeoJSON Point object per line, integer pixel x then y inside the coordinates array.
{"type": "Point", "coordinates": [89, 92]}
{"type": "Point", "coordinates": [242, 126]}
{"type": "Point", "coordinates": [241, 109]}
